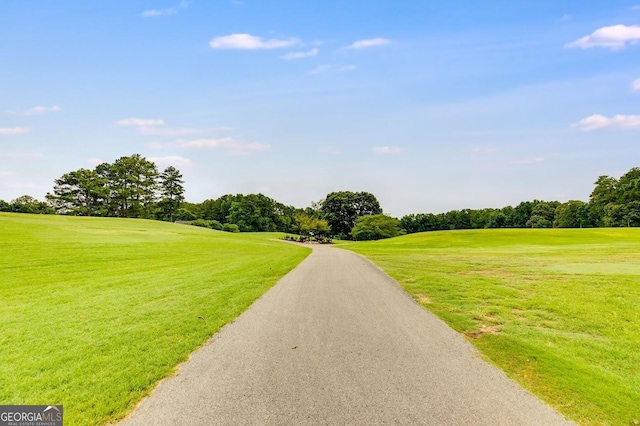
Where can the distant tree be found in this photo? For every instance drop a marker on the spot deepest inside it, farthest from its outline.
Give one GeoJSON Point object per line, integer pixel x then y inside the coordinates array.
{"type": "Point", "coordinates": [185, 215]}
{"type": "Point", "coordinates": [4, 206]}
{"type": "Point", "coordinates": [341, 209]}
{"type": "Point", "coordinates": [133, 182]}
{"type": "Point", "coordinates": [28, 204]}
{"type": "Point", "coordinates": [497, 220]}
{"type": "Point", "coordinates": [375, 227]}
{"type": "Point", "coordinates": [622, 215]}
{"type": "Point", "coordinates": [171, 193]}
{"type": "Point", "coordinates": [80, 192]}
{"type": "Point", "coordinates": [628, 189]}
{"type": "Point", "coordinates": [542, 214]}
{"type": "Point", "coordinates": [572, 214]}
{"type": "Point", "coordinates": [309, 225]}
{"type": "Point", "coordinates": [537, 221]}
{"type": "Point", "coordinates": [521, 214]}
{"type": "Point", "coordinates": [604, 193]}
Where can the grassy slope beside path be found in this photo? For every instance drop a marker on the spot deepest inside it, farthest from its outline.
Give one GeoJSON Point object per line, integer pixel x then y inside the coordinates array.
{"type": "Point", "coordinates": [558, 310]}
{"type": "Point", "coordinates": [93, 312]}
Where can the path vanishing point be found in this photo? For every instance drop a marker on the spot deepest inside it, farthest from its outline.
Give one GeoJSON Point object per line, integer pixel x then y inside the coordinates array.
{"type": "Point", "coordinates": [337, 342]}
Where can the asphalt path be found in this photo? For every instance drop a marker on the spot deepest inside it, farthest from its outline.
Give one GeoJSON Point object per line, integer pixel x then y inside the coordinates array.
{"type": "Point", "coordinates": [338, 342]}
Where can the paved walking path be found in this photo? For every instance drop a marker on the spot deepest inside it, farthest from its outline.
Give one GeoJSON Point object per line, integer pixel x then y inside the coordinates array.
{"type": "Point", "coordinates": [338, 342]}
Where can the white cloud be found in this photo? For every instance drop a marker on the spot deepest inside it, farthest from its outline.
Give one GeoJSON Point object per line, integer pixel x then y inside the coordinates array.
{"type": "Point", "coordinates": [249, 42]}
{"type": "Point", "coordinates": [523, 161]}
{"type": "Point", "coordinates": [566, 17]}
{"type": "Point", "coordinates": [170, 131]}
{"type": "Point", "coordinates": [5, 174]}
{"type": "Point", "coordinates": [300, 55]}
{"type": "Point", "coordinates": [615, 37]}
{"type": "Point", "coordinates": [597, 122]}
{"type": "Point", "coordinates": [635, 86]}
{"type": "Point", "coordinates": [388, 150]}
{"type": "Point", "coordinates": [37, 110]}
{"type": "Point", "coordinates": [227, 144]}
{"type": "Point", "coordinates": [153, 13]}
{"type": "Point", "coordinates": [172, 160]}
{"type": "Point", "coordinates": [333, 68]}
{"type": "Point", "coordinates": [139, 122]}
{"type": "Point", "coordinates": [372, 42]}
{"type": "Point", "coordinates": [14, 130]}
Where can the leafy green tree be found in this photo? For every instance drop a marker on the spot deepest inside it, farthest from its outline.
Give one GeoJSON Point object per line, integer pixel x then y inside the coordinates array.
{"type": "Point", "coordinates": [184, 214]}
{"type": "Point", "coordinates": [537, 221]}
{"type": "Point", "coordinates": [375, 227]}
{"type": "Point", "coordinates": [622, 215]}
{"type": "Point", "coordinates": [341, 209]}
{"type": "Point", "coordinates": [4, 206]}
{"type": "Point", "coordinates": [604, 193]}
{"type": "Point", "coordinates": [81, 192]}
{"type": "Point", "coordinates": [628, 189]}
{"type": "Point", "coordinates": [133, 182]}
{"type": "Point", "coordinates": [521, 214]}
{"type": "Point", "coordinates": [572, 214]}
{"type": "Point", "coordinates": [309, 225]}
{"type": "Point", "coordinates": [542, 214]}
{"type": "Point", "coordinates": [171, 193]}
{"type": "Point", "coordinates": [497, 220]}
{"type": "Point", "coordinates": [28, 204]}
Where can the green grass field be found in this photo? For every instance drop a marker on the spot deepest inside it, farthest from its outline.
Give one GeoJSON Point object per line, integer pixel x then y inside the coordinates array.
{"type": "Point", "coordinates": [557, 310]}
{"type": "Point", "coordinates": [93, 312]}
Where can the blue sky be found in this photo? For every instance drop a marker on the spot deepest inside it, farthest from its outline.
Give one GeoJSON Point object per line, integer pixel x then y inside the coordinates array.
{"type": "Point", "coordinates": [431, 106]}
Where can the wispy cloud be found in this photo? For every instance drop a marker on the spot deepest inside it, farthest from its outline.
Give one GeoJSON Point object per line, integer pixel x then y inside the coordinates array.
{"type": "Point", "coordinates": [566, 17]}
{"type": "Point", "coordinates": [300, 55]}
{"type": "Point", "coordinates": [524, 161]}
{"type": "Point", "coordinates": [154, 13]}
{"type": "Point", "coordinates": [37, 110]}
{"type": "Point", "coordinates": [14, 130]}
{"type": "Point", "coordinates": [178, 131]}
{"type": "Point", "coordinates": [227, 144]}
{"type": "Point", "coordinates": [599, 122]}
{"type": "Point", "coordinates": [388, 150]}
{"type": "Point", "coordinates": [615, 37]}
{"type": "Point", "coordinates": [172, 160]}
{"type": "Point", "coordinates": [250, 42]}
{"type": "Point", "coordinates": [635, 86]}
{"type": "Point", "coordinates": [372, 42]}
{"type": "Point", "coordinates": [7, 174]}
{"type": "Point", "coordinates": [333, 68]}
{"type": "Point", "coordinates": [139, 122]}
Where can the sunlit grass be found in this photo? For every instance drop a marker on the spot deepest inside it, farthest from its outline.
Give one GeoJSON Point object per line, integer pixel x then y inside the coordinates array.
{"type": "Point", "coordinates": [93, 312]}
{"type": "Point", "coordinates": [558, 310]}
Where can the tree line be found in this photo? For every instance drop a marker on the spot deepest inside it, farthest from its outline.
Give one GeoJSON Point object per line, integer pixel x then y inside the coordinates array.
{"type": "Point", "coordinates": [133, 187]}
{"type": "Point", "coordinates": [613, 203]}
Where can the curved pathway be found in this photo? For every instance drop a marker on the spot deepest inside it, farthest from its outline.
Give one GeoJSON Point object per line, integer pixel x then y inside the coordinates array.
{"type": "Point", "coordinates": [336, 341]}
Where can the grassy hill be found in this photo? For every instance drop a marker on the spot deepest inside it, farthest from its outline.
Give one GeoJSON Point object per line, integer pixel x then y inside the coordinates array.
{"type": "Point", "coordinates": [558, 310]}
{"type": "Point", "coordinates": [94, 311]}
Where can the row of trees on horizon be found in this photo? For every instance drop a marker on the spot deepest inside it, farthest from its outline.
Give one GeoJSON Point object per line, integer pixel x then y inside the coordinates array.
{"type": "Point", "coordinates": [133, 187]}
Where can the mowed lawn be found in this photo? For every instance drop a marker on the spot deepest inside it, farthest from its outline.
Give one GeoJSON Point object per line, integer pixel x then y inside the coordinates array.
{"type": "Point", "coordinates": [94, 311]}
{"type": "Point", "coordinates": [557, 310]}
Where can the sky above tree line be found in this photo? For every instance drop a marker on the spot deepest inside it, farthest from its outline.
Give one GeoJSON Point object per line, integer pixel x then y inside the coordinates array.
{"type": "Point", "coordinates": [431, 106]}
